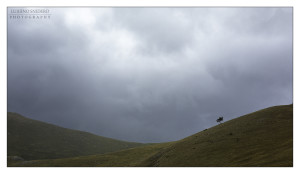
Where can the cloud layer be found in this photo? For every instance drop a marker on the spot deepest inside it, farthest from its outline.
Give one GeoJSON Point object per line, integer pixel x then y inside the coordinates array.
{"type": "Point", "coordinates": [149, 74]}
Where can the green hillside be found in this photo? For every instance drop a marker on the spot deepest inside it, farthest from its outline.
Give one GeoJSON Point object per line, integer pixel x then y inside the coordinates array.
{"type": "Point", "coordinates": [262, 138]}
{"type": "Point", "coordinates": [30, 139]}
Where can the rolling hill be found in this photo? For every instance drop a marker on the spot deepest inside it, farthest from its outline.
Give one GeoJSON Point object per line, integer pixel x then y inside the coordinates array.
{"type": "Point", "coordinates": [261, 138]}
{"type": "Point", "coordinates": [30, 139]}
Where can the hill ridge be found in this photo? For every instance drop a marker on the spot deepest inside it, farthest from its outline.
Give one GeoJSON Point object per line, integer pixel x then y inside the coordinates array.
{"type": "Point", "coordinates": [261, 138]}
{"type": "Point", "coordinates": [279, 113]}
{"type": "Point", "coordinates": [32, 139]}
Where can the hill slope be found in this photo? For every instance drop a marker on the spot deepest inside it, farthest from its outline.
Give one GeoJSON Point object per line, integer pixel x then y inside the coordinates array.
{"type": "Point", "coordinates": [262, 138]}
{"type": "Point", "coordinates": [31, 139]}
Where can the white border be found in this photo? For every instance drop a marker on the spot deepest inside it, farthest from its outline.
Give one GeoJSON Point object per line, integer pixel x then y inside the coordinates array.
{"type": "Point", "coordinates": [152, 3]}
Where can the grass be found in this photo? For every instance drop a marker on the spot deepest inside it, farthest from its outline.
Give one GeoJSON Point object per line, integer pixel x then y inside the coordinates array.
{"type": "Point", "coordinates": [130, 157]}
{"type": "Point", "coordinates": [31, 140]}
{"type": "Point", "coordinates": [263, 138]}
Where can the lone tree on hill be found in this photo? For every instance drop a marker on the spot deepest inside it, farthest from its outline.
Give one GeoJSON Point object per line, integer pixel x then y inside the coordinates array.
{"type": "Point", "coordinates": [220, 119]}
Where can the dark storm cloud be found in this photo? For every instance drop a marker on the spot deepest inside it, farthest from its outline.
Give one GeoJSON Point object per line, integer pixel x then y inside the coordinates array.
{"type": "Point", "coordinates": [149, 74]}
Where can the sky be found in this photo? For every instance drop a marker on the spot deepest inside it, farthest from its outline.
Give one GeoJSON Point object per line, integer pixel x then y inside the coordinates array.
{"type": "Point", "coordinates": [148, 74]}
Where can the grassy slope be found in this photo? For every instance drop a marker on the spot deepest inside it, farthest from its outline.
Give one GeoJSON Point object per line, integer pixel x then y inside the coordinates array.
{"type": "Point", "coordinates": [130, 157]}
{"type": "Point", "coordinates": [262, 138]}
{"type": "Point", "coordinates": [31, 139]}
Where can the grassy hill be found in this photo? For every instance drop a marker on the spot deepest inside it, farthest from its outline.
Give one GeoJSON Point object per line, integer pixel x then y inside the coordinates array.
{"type": "Point", "coordinates": [262, 138]}
{"type": "Point", "coordinates": [30, 139]}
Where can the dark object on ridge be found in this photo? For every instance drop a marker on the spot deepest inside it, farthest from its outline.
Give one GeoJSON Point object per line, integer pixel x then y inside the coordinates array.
{"type": "Point", "coordinates": [219, 119]}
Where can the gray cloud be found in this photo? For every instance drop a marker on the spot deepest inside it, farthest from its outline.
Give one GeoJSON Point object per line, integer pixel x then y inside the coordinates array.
{"type": "Point", "coordinates": [149, 74]}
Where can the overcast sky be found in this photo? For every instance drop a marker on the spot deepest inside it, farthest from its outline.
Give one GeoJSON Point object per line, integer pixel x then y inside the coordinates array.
{"type": "Point", "coordinates": [149, 74]}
